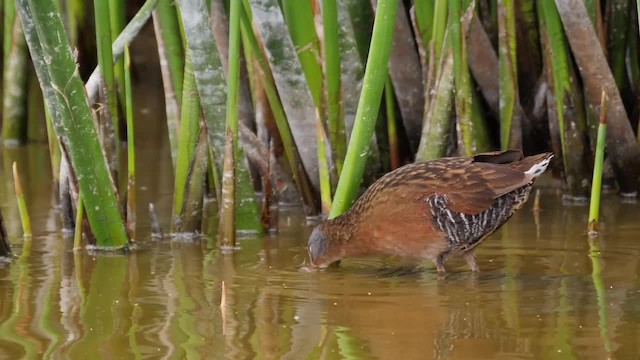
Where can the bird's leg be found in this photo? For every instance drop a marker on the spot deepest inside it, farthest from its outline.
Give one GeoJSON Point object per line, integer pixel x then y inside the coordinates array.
{"type": "Point", "coordinates": [470, 257]}
{"type": "Point", "coordinates": [440, 265]}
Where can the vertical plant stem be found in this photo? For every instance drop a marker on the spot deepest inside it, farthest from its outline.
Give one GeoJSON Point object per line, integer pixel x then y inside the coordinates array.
{"type": "Point", "coordinates": [300, 176]}
{"type": "Point", "coordinates": [323, 167]}
{"type": "Point", "coordinates": [22, 204]}
{"type": "Point", "coordinates": [596, 183]}
{"type": "Point", "coordinates": [510, 121]}
{"type": "Point", "coordinates": [439, 27]}
{"type": "Point", "coordinates": [335, 119]}
{"type": "Point", "coordinates": [117, 9]}
{"type": "Point", "coordinates": [212, 89]}
{"type": "Point", "coordinates": [564, 102]}
{"type": "Point", "coordinates": [439, 117]}
{"type": "Point", "coordinates": [300, 22]}
{"type": "Point", "coordinates": [373, 84]}
{"type": "Point", "coordinates": [227, 227]}
{"type": "Point", "coordinates": [233, 76]}
{"type": "Point", "coordinates": [73, 123]}
{"type": "Point", "coordinates": [171, 55]}
{"type": "Point", "coordinates": [472, 134]}
{"type": "Point", "coordinates": [105, 62]}
{"type": "Point", "coordinates": [77, 235]}
{"type": "Point", "coordinates": [188, 137]}
{"type": "Point", "coordinates": [131, 154]}
{"type": "Point", "coordinates": [227, 210]}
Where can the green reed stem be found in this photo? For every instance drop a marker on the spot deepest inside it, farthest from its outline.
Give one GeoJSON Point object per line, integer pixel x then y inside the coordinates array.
{"type": "Point", "coordinates": [187, 140]}
{"type": "Point", "coordinates": [22, 204]}
{"type": "Point", "coordinates": [227, 227]}
{"type": "Point", "coordinates": [439, 27]}
{"type": "Point", "coordinates": [425, 11]}
{"type": "Point", "coordinates": [596, 183]}
{"type": "Point", "coordinates": [300, 177]}
{"type": "Point", "coordinates": [171, 54]}
{"type": "Point", "coordinates": [508, 71]}
{"type": "Point", "coordinates": [227, 210]}
{"type": "Point", "coordinates": [131, 149]}
{"type": "Point", "coordinates": [212, 89]}
{"type": "Point", "coordinates": [117, 14]}
{"type": "Point", "coordinates": [335, 119]}
{"type": "Point", "coordinates": [367, 114]}
{"type": "Point", "coordinates": [77, 234]}
{"type": "Point", "coordinates": [233, 73]}
{"type": "Point", "coordinates": [472, 134]}
{"type": "Point", "coordinates": [323, 167]}
{"type": "Point", "coordinates": [65, 97]}
{"type": "Point", "coordinates": [437, 124]}
{"type": "Point", "coordinates": [106, 61]}
{"type": "Point", "coordinates": [301, 25]}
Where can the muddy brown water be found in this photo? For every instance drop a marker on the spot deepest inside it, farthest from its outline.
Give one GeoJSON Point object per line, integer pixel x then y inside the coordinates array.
{"type": "Point", "coordinates": [544, 290]}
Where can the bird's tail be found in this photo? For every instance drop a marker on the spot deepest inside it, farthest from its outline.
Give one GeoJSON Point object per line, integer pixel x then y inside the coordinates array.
{"type": "Point", "coordinates": [534, 165]}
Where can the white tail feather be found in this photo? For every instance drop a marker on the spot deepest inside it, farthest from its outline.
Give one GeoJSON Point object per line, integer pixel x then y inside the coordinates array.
{"type": "Point", "coordinates": [538, 168]}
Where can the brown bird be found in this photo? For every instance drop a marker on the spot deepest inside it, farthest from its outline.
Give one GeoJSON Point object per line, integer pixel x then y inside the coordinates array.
{"type": "Point", "coordinates": [431, 210]}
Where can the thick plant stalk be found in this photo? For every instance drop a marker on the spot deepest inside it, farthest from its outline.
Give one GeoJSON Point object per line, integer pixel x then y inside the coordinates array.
{"type": "Point", "coordinates": [171, 55]}
{"type": "Point", "coordinates": [438, 121]}
{"type": "Point", "coordinates": [323, 167]}
{"type": "Point", "coordinates": [131, 149]}
{"type": "Point", "coordinates": [373, 84]}
{"type": "Point", "coordinates": [300, 176]}
{"type": "Point", "coordinates": [564, 103]}
{"type": "Point", "coordinates": [510, 120]}
{"type": "Point", "coordinates": [439, 27]}
{"type": "Point", "coordinates": [290, 80]}
{"type": "Point", "coordinates": [227, 227]}
{"type": "Point", "coordinates": [335, 117]}
{"type": "Point", "coordinates": [105, 63]}
{"type": "Point", "coordinates": [69, 108]}
{"type": "Point", "coordinates": [22, 204]}
{"type": "Point", "coordinates": [14, 114]}
{"type": "Point", "coordinates": [596, 75]}
{"type": "Point", "coordinates": [472, 134]}
{"type": "Point", "coordinates": [212, 90]}
{"type": "Point", "coordinates": [405, 71]}
{"type": "Point", "coordinates": [117, 15]}
{"type": "Point", "coordinates": [187, 141]}
{"type": "Point", "coordinates": [596, 183]}
{"type": "Point", "coordinates": [299, 20]}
